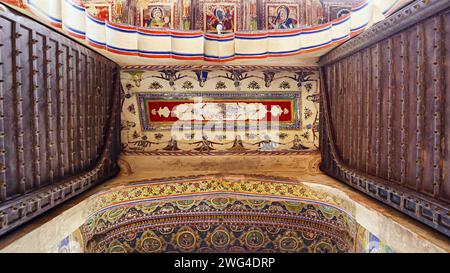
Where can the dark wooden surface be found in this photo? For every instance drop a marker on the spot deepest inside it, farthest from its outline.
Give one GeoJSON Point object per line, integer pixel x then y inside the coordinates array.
{"type": "Point", "coordinates": [386, 112]}
{"type": "Point", "coordinates": [59, 111]}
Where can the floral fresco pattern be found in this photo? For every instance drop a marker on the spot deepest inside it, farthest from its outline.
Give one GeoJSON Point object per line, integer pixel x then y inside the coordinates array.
{"type": "Point", "coordinates": [155, 98]}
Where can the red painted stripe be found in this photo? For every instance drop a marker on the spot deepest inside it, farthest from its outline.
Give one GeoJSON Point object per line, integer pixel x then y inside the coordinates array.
{"type": "Point", "coordinates": [190, 33]}
{"type": "Point", "coordinates": [76, 35]}
{"type": "Point", "coordinates": [252, 57]}
{"type": "Point", "coordinates": [95, 45]}
{"type": "Point", "coordinates": [354, 33]}
{"type": "Point", "coordinates": [219, 60]}
{"type": "Point", "coordinates": [55, 24]}
{"type": "Point", "coordinates": [121, 52]}
{"type": "Point", "coordinates": [244, 34]}
{"type": "Point", "coordinates": [316, 48]}
{"type": "Point", "coordinates": [154, 31]}
{"type": "Point", "coordinates": [359, 5]}
{"type": "Point", "coordinates": [187, 58]}
{"type": "Point", "coordinates": [219, 37]}
{"type": "Point", "coordinates": [127, 27]}
{"type": "Point", "coordinates": [317, 27]}
{"type": "Point", "coordinates": [340, 18]}
{"type": "Point", "coordinates": [155, 56]}
{"type": "Point", "coordinates": [281, 33]}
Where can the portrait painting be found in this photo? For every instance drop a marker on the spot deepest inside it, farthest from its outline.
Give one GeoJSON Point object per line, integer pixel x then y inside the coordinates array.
{"type": "Point", "coordinates": [100, 11]}
{"type": "Point", "coordinates": [282, 16]}
{"type": "Point", "coordinates": [157, 16]}
{"type": "Point", "coordinates": [220, 14]}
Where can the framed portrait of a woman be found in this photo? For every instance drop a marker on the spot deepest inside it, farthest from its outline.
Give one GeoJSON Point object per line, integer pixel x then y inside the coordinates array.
{"type": "Point", "coordinates": [282, 16]}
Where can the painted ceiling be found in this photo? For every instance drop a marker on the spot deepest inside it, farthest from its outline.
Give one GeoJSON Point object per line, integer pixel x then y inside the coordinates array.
{"type": "Point", "coordinates": [218, 214]}
{"type": "Point", "coordinates": [244, 110]}
{"type": "Point", "coordinates": [144, 32]}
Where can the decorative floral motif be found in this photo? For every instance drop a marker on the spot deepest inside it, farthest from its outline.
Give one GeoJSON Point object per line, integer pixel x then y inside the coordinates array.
{"type": "Point", "coordinates": [187, 85]}
{"type": "Point", "coordinates": [132, 109]}
{"type": "Point", "coordinates": [220, 85]}
{"type": "Point", "coordinates": [308, 113]}
{"type": "Point", "coordinates": [254, 85]}
{"type": "Point", "coordinates": [285, 85]}
{"type": "Point", "coordinates": [155, 86]}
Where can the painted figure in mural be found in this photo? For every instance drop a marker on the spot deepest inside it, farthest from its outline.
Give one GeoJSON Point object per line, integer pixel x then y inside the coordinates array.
{"type": "Point", "coordinates": [205, 145]}
{"type": "Point", "coordinates": [125, 11]}
{"type": "Point", "coordinates": [297, 145]}
{"type": "Point", "coordinates": [282, 19]}
{"type": "Point", "coordinates": [157, 17]}
{"type": "Point", "coordinates": [238, 145]}
{"type": "Point", "coordinates": [220, 15]}
{"type": "Point", "coordinates": [172, 145]}
{"type": "Point", "coordinates": [267, 144]}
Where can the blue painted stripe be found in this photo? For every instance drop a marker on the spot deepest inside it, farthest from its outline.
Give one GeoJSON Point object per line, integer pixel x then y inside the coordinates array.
{"type": "Point", "coordinates": [43, 12]}
{"type": "Point", "coordinates": [75, 30]}
{"type": "Point", "coordinates": [121, 30]}
{"type": "Point", "coordinates": [316, 31]}
{"type": "Point", "coordinates": [187, 37]}
{"type": "Point", "coordinates": [360, 27]}
{"type": "Point", "coordinates": [219, 57]}
{"type": "Point", "coordinates": [218, 40]}
{"type": "Point", "coordinates": [319, 45]}
{"type": "Point", "coordinates": [156, 52]}
{"type": "Point", "coordinates": [285, 36]}
{"type": "Point", "coordinates": [122, 49]}
{"type": "Point", "coordinates": [154, 35]}
{"type": "Point", "coordinates": [250, 38]}
{"type": "Point", "coordinates": [95, 42]}
{"type": "Point", "coordinates": [341, 22]}
{"type": "Point", "coordinates": [96, 21]}
{"type": "Point", "coordinates": [188, 54]}
{"type": "Point", "coordinates": [252, 54]}
{"type": "Point", "coordinates": [359, 8]}
{"type": "Point", "coordinates": [75, 6]}
{"type": "Point", "coordinates": [284, 52]}
{"type": "Point", "coordinates": [390, 7]}
{"type": "Point", "coordinates": [340, 38]}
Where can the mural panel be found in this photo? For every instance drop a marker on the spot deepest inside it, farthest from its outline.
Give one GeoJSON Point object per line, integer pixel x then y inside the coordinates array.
{"type": "Point", "coordinates": [157, 16]}
{"type": "Point", "coordinates": [237, 111]}
{"type": "Point", "coordinates": [282, 16]}
{"type": "Point", "coordinates": [220, 13]}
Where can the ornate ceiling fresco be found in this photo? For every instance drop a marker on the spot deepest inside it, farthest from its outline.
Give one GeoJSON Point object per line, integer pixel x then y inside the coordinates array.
{"type": "Point", "coordinates": [220, 214]}
{"type": "Point", "coordinates": [239, 108]}
{"type": "Point", "coordinates": [213, 30]}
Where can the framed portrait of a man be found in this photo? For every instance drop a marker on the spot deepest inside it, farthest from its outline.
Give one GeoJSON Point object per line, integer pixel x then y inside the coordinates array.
{"type": "Point", "coordinates": [157, 16]}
